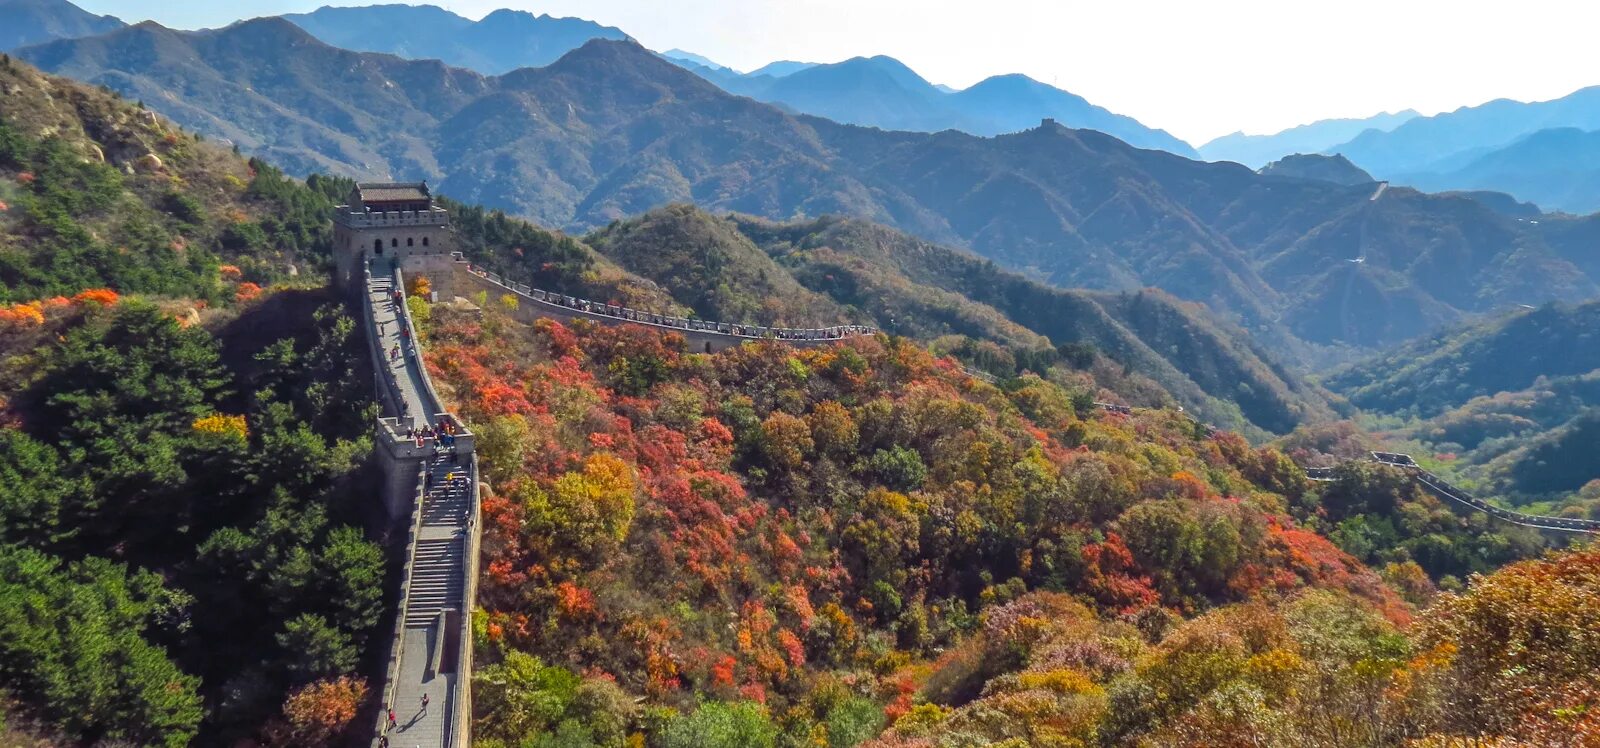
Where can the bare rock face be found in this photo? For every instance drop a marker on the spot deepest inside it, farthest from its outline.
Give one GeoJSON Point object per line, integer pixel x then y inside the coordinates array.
{"type": "Point", "coordinates": [149, 162]}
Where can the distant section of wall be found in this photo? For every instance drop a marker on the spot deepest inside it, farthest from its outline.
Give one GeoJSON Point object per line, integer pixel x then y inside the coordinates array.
{"type": "Point", "coordinates": [454, 276]}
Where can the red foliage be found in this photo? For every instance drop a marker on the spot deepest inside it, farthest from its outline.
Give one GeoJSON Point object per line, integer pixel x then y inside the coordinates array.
{"type": "Point", "coordinates": [1111, 576]}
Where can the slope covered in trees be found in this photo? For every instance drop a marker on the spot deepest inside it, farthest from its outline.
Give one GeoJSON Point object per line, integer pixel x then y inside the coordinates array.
{"type": "Point", "coordinates": [803, 528]}
{"type": "Point", "coordinates": [1510, 406]}
{"type": "Point", "coordinates": [183, 431]}
{"type": "Point", "coordinates": [743, 267]}
{"type": "Point", "coordinates": [863, 545]}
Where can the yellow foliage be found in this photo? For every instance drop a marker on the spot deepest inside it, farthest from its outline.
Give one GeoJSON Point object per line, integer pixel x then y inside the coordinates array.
{"type": "Point", "coordinates": [220, 424]}
{"type": "Point", "coordinates": [418, 285]}
{"type": "Point", "coordinates": [592, 504]}
{"type": "Point", "coordinates": [1274, 670]}
{"type": "Point", "coordinates": [1065, 681]}
{"type": "Point", "coordinates": [509, 302]}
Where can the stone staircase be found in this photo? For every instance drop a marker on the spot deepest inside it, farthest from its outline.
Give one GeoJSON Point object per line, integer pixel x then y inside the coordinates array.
{"type": "Point", "coordinates": [437, 583]}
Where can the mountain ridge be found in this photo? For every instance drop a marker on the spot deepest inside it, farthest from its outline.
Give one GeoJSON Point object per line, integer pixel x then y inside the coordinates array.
{"type": "Point", "coordinates": [500, 42]}
{"type": "Point", "coordinates": [1255, 151]}
{"type": "Point", "coordinates": [611, 130]}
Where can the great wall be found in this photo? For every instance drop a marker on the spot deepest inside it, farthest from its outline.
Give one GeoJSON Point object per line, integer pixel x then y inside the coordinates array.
{"type": "Point", "coordinates": [431, 485]}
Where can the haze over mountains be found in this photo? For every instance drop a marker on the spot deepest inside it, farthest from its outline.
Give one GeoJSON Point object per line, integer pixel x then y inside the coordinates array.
{"type": "Point", "coordinates": [498, 43]}
{"type": "Point", "coordinates": [875, 91]}
{"type": "Point", "coordinates": [24, 22]}
{"type": "Point", "coordinates": [1256, 150]}
{"type": "Point", "coordinates": [612, 130]}
{"type": "Point", "coordinates": [882, 92]}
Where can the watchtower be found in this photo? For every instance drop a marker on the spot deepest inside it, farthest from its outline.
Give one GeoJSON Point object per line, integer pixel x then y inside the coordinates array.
{"type": "Point", "coordinates": [394, 220]}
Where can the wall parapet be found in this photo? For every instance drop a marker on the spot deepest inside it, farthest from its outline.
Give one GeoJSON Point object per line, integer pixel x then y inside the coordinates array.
{"type": "Point", "coordinates": [604, 311]}
{"type": "Point", "coordinates": [361, 219]}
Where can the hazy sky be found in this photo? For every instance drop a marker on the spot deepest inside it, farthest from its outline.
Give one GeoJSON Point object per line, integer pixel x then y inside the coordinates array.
{"type": "Point", "coordinates": [1197, 69]}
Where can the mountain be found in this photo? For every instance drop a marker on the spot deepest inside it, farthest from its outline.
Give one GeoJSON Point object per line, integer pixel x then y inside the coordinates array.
{"type": "Point", "coordinates": [149, 279]}
{"type": "Point", "coordinates": [611, 130]}
{"type": "Point", "coordinates": [1336, 169]}
{"type": "Point", "coordinates": [845, 505]}
{"type": "Point", "coordinates": [780, 68]}
{"type": "Point", "coordinates": [1514, 402]}
{"type": "Point", "coordinates": [831, 270]}
{"type": "Point", "coordinates": [25, 22]}
{"type": "Point", "coordinates": [1255, 151]}
{"type": "Point", "coordinates": [882, 92]}
{"type": "Point", "coordinates": [701, 60]}
{"type": "Point", "coordinates": [1558, 169]}
{"type": "Point", "coordinates": [1509, 353]}
{"type": "Point", "coordinates": [1500, 203]}
{"type": "Point", "coordinates": [872, 91]}
{"type": "Point", "coordinates": [1009, 103]}
{"type": "Point", "coordinates": [502, 41]}
{"type": "Point", "coordinates": [1444, 142]}
{"type": "Point", "coordinates": [96, 194]}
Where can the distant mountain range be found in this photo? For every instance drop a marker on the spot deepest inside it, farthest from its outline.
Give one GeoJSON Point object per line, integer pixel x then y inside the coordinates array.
{"type": "Point", "coordinates": [883, 92]}
{"type": "Point", "coordinates": [1558, 169]}
{"type": "Point", "coordinates": [612, 130]}
{"type": "Point", "coordinates": [25, 22]}
{"type": "Point", "coordinates": [1255, 151]}
{"type": "Point", "coordinates": [875, 91]}
{"type": "Point", "coordinates": [1544, 152]}
{"type": "Point", "coordinates": [1547, 152]}
{"type": "Point", "coordinates": [499, 43]}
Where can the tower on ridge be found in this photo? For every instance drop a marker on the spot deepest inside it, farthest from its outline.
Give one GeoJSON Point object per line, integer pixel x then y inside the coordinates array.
{"type": "Point", "coordinates": [395, 220]}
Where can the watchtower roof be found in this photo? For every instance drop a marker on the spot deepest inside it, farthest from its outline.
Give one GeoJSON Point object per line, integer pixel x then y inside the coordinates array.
{"type": "Point", "coordinates": [393, 192]}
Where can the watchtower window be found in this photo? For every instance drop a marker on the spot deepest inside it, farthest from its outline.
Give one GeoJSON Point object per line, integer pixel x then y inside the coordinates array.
{"type": "Point", "coordinates": [377, 245]}
{"type": "Point", "coordinates": [409, 241]}
{"type": "Point", "coordinates": [394, 242]}
{"type": "Point", "coordinates": [424, 241]}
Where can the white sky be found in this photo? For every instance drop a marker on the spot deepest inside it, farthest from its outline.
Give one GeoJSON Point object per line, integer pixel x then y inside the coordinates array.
{"type": "Point", "coordinates": [1196, 69]}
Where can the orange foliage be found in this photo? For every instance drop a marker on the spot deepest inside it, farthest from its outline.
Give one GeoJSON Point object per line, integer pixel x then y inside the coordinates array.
{"type": "Point", "coordinates": [246, 291]}
{"type": "Point", "coordinates": [100, 296]}
{"type": "Point", "coordinates": [321, 711]}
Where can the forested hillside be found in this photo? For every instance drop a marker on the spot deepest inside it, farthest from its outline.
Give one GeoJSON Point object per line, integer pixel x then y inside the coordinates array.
{"type": "Point", "coordinates": [842, 546]}
{"type": "Point", "coordinates": [864, 546]}
{"type": "Point", "coordinates": [1511, 406]}
{"type": "Point", "coordinates": [611, 130]}
{"type": "Point", "coordinates": [838, 269]}
{"type": "Point", "coordinates": [183, 451]}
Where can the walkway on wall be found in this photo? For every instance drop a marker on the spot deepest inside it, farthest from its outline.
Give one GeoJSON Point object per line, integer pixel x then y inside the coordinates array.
{"type": "Point", "coordinates": [1438, 487]}
{"type": "Point", "coordinates": [430, 657]}
{"type": "Point", "coordinates": [615, 313]}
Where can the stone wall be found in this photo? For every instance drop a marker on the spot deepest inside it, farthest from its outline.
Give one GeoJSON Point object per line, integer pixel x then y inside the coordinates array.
{"type": "Point", "coordinates": [451, 277]}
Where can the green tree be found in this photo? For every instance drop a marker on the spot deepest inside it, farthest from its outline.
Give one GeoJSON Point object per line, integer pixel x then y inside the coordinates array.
{"type": "Point", "coordinates": [521, 697]}
{"type": "Point", "coordinates": [38, 494]}
{"type": "Point", "coordinates": [314, 648]}
{"type": "Point", "coordinates": [715, 724]}
{"type": "Point", "coordinates": [71, 642]}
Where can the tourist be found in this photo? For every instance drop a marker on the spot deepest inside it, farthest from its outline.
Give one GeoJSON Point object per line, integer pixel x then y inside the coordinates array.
{"type": "Point", "coordinates": [392, 720]}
